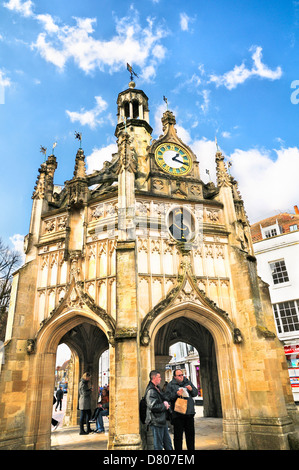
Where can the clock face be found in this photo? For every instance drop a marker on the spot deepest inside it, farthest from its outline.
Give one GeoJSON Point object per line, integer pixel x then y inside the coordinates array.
{"type": "Point", "coordinates": [173, 159]}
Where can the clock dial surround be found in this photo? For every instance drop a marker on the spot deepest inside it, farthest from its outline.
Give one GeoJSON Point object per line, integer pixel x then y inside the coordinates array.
{"type": "Point", "coordinates": [173, 159]}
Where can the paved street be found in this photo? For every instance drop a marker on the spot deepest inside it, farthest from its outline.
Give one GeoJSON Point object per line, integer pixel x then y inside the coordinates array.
{"type": "Point", "coordinates": [208, 434]}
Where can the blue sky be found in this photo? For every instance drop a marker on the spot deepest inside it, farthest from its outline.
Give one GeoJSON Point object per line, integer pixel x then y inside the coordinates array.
{"type": "Point", "coordinates": [226, 68]}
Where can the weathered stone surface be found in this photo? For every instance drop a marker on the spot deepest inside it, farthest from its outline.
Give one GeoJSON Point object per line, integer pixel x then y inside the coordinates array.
{"type": "Point", "coordinates": [104, 271]}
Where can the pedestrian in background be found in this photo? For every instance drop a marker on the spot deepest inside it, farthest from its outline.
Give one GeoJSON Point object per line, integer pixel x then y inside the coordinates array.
{"type": "Point", "coordinates": [85, 402]}
{"type": "Point", "coordinates": [59, 397]}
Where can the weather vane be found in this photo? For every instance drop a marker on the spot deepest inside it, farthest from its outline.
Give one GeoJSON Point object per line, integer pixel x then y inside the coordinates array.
{"type": "Point", "coordinates": [78, 135]}
{"type": "Point", "coordinates": [43, 150]}
{"type": "Point", "coordinates": [129, 68]}
{"type": "Point", "coordinates": [208, 173]}
{"type": "Point", "coordinates": [166, 101]}
{"type": "Point", "coordinates": [53, 147]}
{"type": "Point", "coordinates": [217, 146]}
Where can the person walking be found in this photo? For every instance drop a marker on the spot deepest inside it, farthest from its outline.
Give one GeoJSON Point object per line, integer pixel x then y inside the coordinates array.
{"type": "Point", "coordinates": [181, 387]}
{"type": "Point", "coordinates": [59, 397]}
{"type": "Point", "coordinates": [156, 410]}
{"type": "Point", "coordinates": [85, 402]}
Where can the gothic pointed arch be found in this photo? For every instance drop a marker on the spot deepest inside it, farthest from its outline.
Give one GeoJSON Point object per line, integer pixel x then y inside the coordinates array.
{"type": "Point", "coordinates": [76, 306]}
{"type": "Point", "coordinates": [186, 296]}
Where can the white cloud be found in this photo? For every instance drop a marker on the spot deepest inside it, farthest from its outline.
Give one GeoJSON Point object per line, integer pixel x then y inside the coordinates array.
{"type": "Point", "coordinates": [90, 118]}
{"type": "Point", "coordinates": [261, 69]}
{"type": "Point", "coordinates": [4, 81]}
{"type": "Point", "coordinates": [49, 53]}
{"type": "Point", "coordinates": [226, 134]}
{"type": "Point", "coordinates": [24, 8]}
{"type": "Point", "coordinates": [240, 73]}
{"type": "Point", "coordinates": [48, 23]}
{"type": "Point", "coordinates": [205, 151]}
{"type": "Point", "coordinates": [267, 185]}
{"type": "Point", "coordinates": [206, 100]}
{"type": "Point", "coordinates": [17, 241]}
{"type": "Point", "coordinates": [132, 43]}
{"type": "Point", "coordinates": [184, 21]}
{"type": "Point", "coordinates": [97, 158]}
{"type": "Point", "coordinates": [148, 73]}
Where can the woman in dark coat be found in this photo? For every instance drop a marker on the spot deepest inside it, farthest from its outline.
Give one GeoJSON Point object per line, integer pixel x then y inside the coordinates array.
{"type": "Point", "coordinates": [85, 402]}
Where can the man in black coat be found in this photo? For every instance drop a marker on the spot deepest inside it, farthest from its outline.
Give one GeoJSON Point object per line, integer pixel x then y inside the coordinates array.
{"type": "Point", "coordinates": [156, 412]}
{"type": "Point", "coordinates": [180, 386]}
{"type": "Point", "coordinates": [59, 397]}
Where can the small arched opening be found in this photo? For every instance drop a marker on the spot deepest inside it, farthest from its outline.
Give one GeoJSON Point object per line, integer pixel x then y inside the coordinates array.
{"type": "Point", "coordinates": [86, 338]}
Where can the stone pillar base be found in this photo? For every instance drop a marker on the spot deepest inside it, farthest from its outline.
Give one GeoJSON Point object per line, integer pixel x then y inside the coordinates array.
{"type": "Point", "coordinates": [127, 442]}
{"type": "Point", "coordinates": [293, 412]}
{"type": "Point", "coordinates": [237, 435]}
{"type": "Point", "coordinates": [271, 433]}
{"type": "Point", "coordinates": [259, 434]}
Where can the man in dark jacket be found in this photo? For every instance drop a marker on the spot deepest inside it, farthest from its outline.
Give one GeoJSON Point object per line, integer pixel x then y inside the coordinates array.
{"type": "Point", "coordinates": [156, 412]}
{"type": "Point", "coordinates": [180, 386]}
{"type": "Point", "coordinates": [59, 397]}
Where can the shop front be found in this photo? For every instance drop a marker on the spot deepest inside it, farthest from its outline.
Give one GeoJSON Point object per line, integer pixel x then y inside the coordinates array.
{"type": "Point", "coordinates": [292, 356]}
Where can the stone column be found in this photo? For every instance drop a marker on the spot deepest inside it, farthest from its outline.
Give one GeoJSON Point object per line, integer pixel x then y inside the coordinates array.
{"type": "Point", "coordinates": [160, 363]}
{"type": "Point", "coordinates": [127, 432]}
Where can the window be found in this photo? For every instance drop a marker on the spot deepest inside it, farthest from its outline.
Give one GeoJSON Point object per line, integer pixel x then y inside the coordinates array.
{"type": "Point", "coordinates": [127, 109]}
{"type": "Point", "coordinates": [271, 230]}
{"type": "Point", "coordinates": [293, 228]}
{"type": "Point", "coordinates": [135, 109]}
{"type": "Point", "coordinates": [286, 316]}
{"type": "Point", "coordinates": [279, 272]}
{"type": "Point", "coordinates": [270, 233]}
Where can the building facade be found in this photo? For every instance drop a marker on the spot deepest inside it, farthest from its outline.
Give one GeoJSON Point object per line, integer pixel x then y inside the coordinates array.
{"type": "Point", "coordinates": [276, 247]}
{"type": "Point", "coordinates": [131, 259]}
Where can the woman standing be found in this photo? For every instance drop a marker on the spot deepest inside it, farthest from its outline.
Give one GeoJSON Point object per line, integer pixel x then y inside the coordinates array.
{"type": "Point", "coordinates": [85, 402]}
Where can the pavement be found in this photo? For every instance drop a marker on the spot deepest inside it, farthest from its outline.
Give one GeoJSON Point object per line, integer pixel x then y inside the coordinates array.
{"type": "Point", "coordinates": [208, 434]}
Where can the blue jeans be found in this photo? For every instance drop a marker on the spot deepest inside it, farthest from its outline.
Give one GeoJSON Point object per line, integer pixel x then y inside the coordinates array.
{"type": "Point", "coordinates": [161, 438]}
{"type": "Point", "coordinates": [100, 423]}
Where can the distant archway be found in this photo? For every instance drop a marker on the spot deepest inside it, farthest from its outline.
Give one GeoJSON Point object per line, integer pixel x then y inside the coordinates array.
{"type": "Point", "coordinates": [191, 332]}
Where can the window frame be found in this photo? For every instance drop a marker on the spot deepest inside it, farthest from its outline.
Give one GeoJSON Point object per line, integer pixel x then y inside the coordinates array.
{"type": "Point", "coordinates": [287, 317]}
{"type": "Point", "coordinates": [279, 273]}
